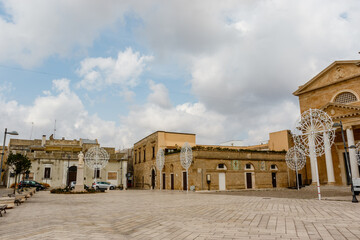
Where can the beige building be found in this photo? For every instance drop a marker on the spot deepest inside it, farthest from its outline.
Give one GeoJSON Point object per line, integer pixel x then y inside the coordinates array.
{"type": "Point", "coordinates": [214, 167]}
{"type": "Point", "coordinates": [54, 161]}
{"type": "Point", "coordinates": [336, 91]}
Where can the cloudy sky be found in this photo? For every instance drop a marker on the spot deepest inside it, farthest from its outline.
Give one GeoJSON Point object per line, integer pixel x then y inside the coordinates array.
{"type": "Point", "coordinates": [120, 70]}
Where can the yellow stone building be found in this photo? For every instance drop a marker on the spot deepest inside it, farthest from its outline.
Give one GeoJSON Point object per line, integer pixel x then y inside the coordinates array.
{"type": "Point", "coordinates": [336, 91]}
{"type": "Point", "coordinates": [55, 161]}
{"type": "Point", "coordinates": [214, 167]}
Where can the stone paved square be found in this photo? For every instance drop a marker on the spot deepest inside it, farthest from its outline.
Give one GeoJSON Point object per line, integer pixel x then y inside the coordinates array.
{"type": "Point", "coordinates": [138, 214]}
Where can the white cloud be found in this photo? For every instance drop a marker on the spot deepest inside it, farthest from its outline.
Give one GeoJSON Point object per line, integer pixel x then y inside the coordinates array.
{"type": "Point", "coordinates": [64, 106]}
{"type": "Point", "coordinates": [73, 121]}
{"type": "Point", "coordinates": [247, 57]}
{"type": "Point", "coordinates": [125, 70]}
{"type": "Point", "coordinates": [243, 59]}
{"type": "Point", "coordinates": [32, 31]}
{"type": "Point", "coordinates": [160, 95]}
{"type": "Point", "coordinates": [187, 117]}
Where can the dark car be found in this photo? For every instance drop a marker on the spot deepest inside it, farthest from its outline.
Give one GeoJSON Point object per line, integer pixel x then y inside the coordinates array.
{"type": "Point", "coordinates": [31, 183]}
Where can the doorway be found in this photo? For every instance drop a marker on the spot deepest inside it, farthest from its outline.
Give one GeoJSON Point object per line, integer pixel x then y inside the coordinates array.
{"type": "Point", "coordinates": [153, 179]}
{"type": "Point", "coordinates": [184, 181]}
{"type": "Point", "coordinates": [248, 180]}
{"type": "Point", "coordinates": [163, 181]}
{"type": "Point", "coordinates": [72, 174]}
{"type": "Point", "coordinates": [172, 181]}
{"type": "Point", "coordinates": [273, 178]}
{"type": "Point", "coordinates": [300, 180]}
{"type": "Point", "coordinates": [222, 182]}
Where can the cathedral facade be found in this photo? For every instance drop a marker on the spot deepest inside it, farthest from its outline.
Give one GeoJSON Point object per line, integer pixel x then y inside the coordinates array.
{"type": "Point", "coordinates": [336, 91]}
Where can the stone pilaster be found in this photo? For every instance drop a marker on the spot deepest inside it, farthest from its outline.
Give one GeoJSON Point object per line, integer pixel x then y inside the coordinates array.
{"type": "Point", "coordinates": [352, 153]}
{"type": "Point", "coordinates": [328, 159]}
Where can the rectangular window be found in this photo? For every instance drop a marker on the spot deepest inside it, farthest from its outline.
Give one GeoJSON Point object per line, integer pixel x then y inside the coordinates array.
{"type": "Point", "coordinates": [144, 155]}
{"type": "Point", "coordinates": [139, 156]}
{"type": "Point", "coordinates": [135, 156]}
{"type": "Point", "coordinates": [47, 172]}
{"type": "Point", "coordinates": [153, 150]}
{"type": "Point", "coordinates": [112, 175]}
{"type": "Point", "coordinates": [96, 173]}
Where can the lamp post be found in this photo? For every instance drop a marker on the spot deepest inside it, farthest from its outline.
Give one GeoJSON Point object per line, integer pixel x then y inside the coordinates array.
{"type": "Point", "coordinates": [354, 200]}
{"type": "Point", "coordinates": [3, 151]}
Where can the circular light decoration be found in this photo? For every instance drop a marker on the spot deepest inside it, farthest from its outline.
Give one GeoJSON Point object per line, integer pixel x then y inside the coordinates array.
{"type": "Point", "coordinates": [186, 155]}
{"type": "Point", "coordinates": [358, 152]}
{"type": "Point", "coordinates": [295, 159]}
{"type": "Point", "coordinates": [160, 159]}
{"type": "Point", "coordinates": [96, 158]}
{"type": "Point", "coordinates": [313, 124]}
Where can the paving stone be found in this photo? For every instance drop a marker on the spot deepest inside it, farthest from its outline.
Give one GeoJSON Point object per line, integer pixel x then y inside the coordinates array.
{"type": "Point", "coordinates": [136, 214]}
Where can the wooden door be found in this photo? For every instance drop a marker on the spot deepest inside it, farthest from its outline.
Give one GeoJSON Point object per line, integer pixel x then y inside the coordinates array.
{"type": "Point", "coordinates": [273, 178]}
{"type": "Point", "coordinates": [248, 180]}
{"type": "Point", "coordinates": [184, 181]}
{"type": "Point", "coordinates": [172, 181]}
{"type": "Point", "coordinates": [222, 182]}
{"type": "Point", "coordinates": [163, 181]}
{"type": "Point", "coordinates": [153, 179]}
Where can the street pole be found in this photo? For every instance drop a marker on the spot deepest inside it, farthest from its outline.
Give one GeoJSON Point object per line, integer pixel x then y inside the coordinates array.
{"type": "Point", "coordinates": [2, 158]}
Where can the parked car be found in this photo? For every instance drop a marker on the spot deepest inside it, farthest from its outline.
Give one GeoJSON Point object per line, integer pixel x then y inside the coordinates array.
{"type": "Point", "coordinates": [31, 183]}
{"type": "Point", "coordinates": [103, 185]}
{"type": "Point", "coordinates": [73, 183]}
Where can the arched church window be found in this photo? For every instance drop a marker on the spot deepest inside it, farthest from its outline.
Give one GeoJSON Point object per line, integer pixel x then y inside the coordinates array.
{"type": "Point", "coordinates": [345, 97]}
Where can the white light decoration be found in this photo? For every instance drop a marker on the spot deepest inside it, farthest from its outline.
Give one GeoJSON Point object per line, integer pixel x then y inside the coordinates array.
{"type": "Point", "coordinates": [160, 161]}
{"type": "Point", "coordinates": [96, 158]}
{"type": "Point", "coordinates": [295, 160]}
{"type": "Point", "coordinates": [312, 124]}
{"type": "Point", "coordinates": [313, 131]}
{"type": "Point", "coordinates": [358, 152]}
{"type": "Point", "coordinates": [186, 160]}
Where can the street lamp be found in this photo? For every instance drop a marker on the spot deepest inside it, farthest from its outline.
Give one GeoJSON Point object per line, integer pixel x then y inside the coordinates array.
{"type": "Point", "coordinates": [3, 150]}
{"type": "Point", "coordinates": [354, 200]}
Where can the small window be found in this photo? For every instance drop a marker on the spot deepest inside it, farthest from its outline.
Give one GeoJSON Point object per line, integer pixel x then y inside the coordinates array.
{"type": "Point", "coordinates": [248, 166]}
{"type": "Point", "coordinates": [47, 173]}
{"type": "Point", "coordinates": [139, 156]}
{"type": "Point", "coordinates": [135, 157]}
{"type": "Point", "coordinates": [153, 151]}
{"type": "Point", "coordinates": [144, 155]}
{"type": "Point", "coordinates": [221, 166]}
{"type": "Point", "coordinates": [345, 97]}
{"type": "Point", "coordinates": [273, 167]}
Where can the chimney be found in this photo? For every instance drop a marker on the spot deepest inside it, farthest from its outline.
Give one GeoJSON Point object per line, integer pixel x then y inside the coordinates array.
{"type": "Point", "coordinates": [43, 141]}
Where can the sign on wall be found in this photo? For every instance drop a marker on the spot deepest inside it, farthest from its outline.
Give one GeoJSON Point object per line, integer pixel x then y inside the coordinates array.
{"type": "Point", "coordinates": [235, 164]}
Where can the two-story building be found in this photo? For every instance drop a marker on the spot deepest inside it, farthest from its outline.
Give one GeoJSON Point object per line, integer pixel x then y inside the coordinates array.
{"type": "Point", "coordinates": [55, 161]}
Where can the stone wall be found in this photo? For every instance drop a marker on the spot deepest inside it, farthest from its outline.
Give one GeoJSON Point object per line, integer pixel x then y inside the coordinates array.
{"type": "Point", "coordinates": [207, 162]}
